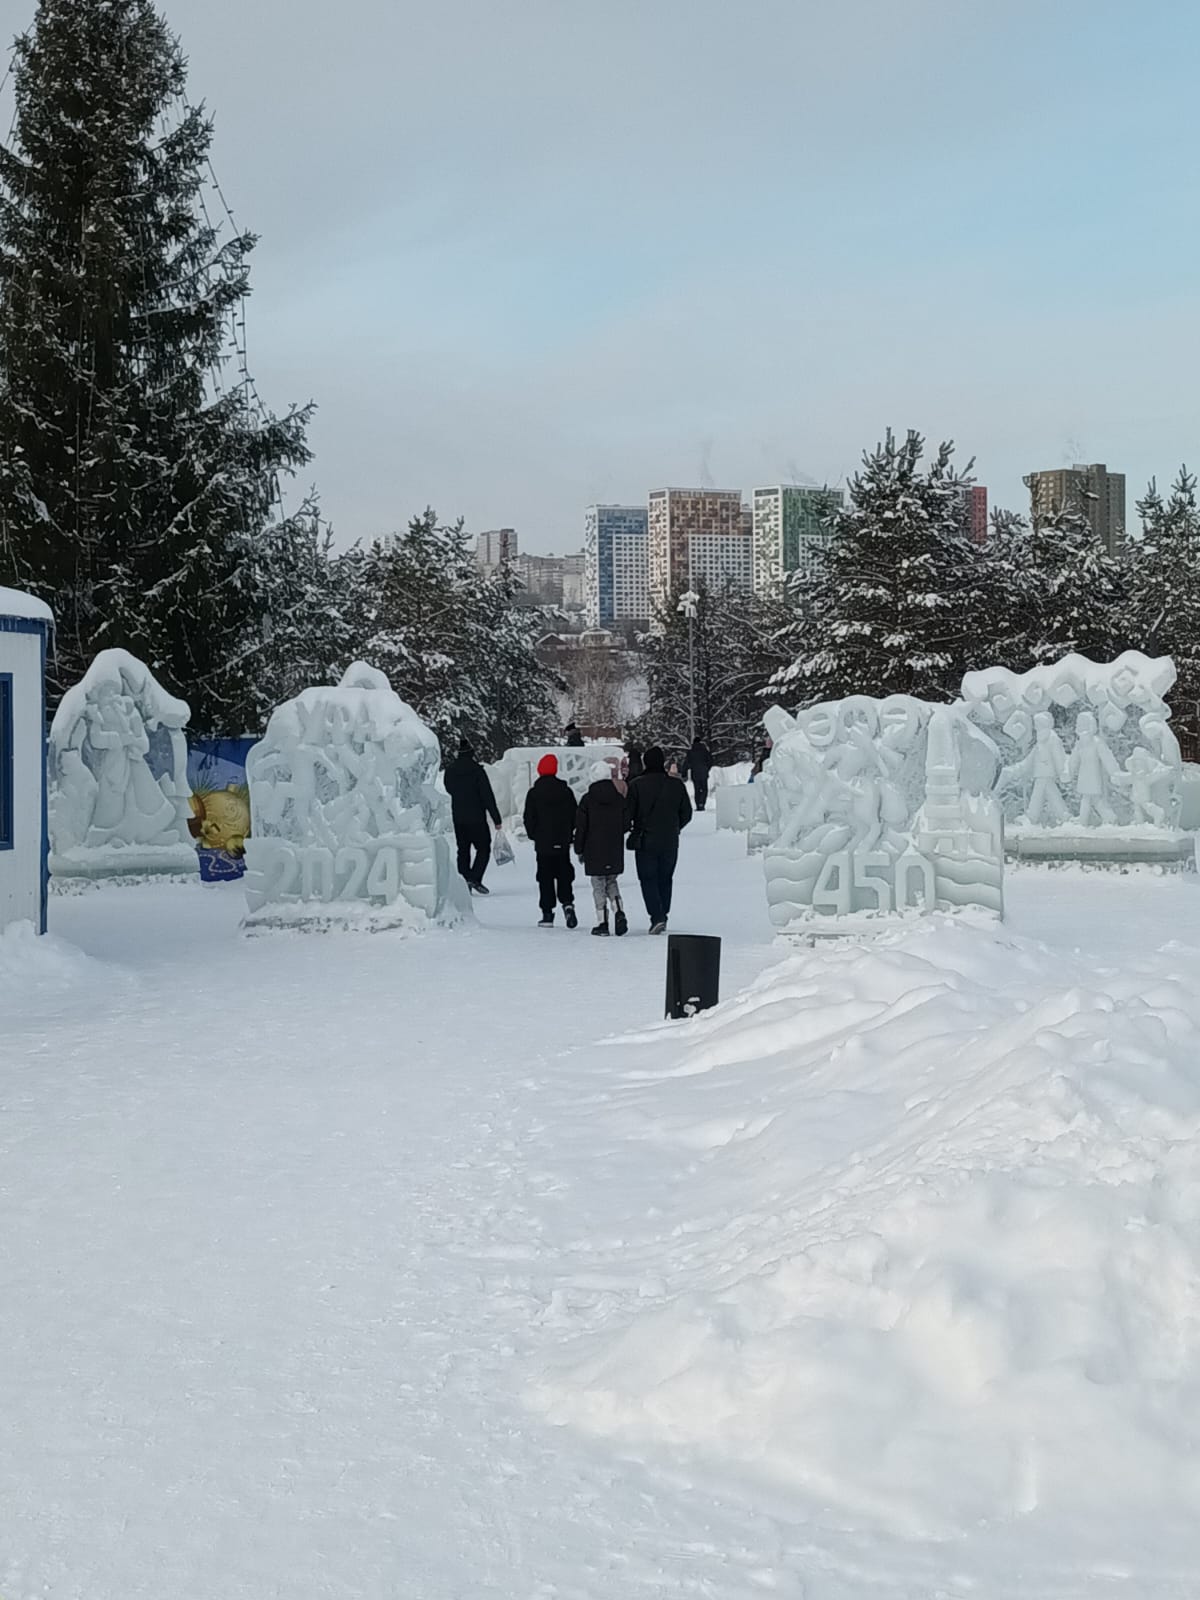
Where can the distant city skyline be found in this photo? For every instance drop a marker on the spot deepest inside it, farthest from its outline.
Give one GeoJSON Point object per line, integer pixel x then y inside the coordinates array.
{"type": "Point", "coordinates": [635, 254]}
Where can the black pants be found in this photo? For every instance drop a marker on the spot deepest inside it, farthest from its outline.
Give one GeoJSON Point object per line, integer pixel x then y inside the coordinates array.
{"type": "Point", "coordinates": [656, 874]}
{"type": "Point", "coordinates": [700, 785]}
{"type": "Point", "coordinates": [555, 879]}
{"type": "Point", "coordinates": [473, 839]}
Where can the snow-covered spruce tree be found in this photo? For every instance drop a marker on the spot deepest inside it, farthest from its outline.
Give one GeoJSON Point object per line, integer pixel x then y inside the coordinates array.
{"type": "Point", "coordinates": [1048, 589]}
{"type": "Point", "coordinates": [738, 648]}
{"type": "Point", "coordinates": [1161, 613]}
{"type": "Point", "coordinates": [132, 493]}
{"type": "Point", "coordinates": [897, 600]}
{"type": "Point", "coordinates": [451, 640]}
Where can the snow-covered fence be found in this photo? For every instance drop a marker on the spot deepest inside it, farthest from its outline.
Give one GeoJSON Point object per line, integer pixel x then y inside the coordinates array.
{"type": "Point", "coordinates": [25, 625]}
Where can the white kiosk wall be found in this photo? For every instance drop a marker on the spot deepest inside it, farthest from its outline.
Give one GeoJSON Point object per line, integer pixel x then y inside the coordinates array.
{"type": "Point", "coordinates": [25, 625]}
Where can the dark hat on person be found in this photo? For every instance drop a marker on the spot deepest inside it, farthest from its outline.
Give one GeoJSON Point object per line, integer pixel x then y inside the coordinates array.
{"type": "Point", "coordinates": [654, 760]}
{"type": "Point", "coordinates": [465, 747]}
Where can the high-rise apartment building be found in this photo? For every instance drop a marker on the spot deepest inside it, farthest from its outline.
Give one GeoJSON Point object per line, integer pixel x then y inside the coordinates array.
{"type": "Point", "coordinates": [721, 561]}
{"type": "Point", "coordinates": [676, 517]}
{"type": "Point", "coordinates": [615, 574]}
{"type": "Point", "coordinates": [494, 548]}
{"type": "Point", "coordinates": [975, 513]}
{"type": "Point", "coordinates": [1091, 490]}
{"type": "Point", "coordinates": [790, 530]}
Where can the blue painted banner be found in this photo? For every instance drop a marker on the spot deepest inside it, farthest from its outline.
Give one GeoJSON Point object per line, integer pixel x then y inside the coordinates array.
{"type": "Point", "coordinates": [220, 820]}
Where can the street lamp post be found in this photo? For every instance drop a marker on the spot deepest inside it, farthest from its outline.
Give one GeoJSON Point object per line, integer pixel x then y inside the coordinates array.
{"type": "Point", "coordinates": [687, 607]}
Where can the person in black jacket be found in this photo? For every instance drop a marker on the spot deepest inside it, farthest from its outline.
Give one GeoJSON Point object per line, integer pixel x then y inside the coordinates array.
{"type": "Point", "coordinates": [600, 844]}
{"type": "Point", "coordinates": [634, 765]}
{"type": "Point", "coordinates": [697, 765]}
{"type": "Point", "coordinates": [550, 808]}
{"type": "Point", "coordinates": [472, 802]}
{"type": "Point", "coordinates": [573, 737]}
{"type": "Point", "coordinates": [659, 810]}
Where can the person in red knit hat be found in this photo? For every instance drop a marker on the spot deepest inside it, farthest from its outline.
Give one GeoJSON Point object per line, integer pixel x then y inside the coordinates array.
{"type": "Point", "coordinates": [550, 808]}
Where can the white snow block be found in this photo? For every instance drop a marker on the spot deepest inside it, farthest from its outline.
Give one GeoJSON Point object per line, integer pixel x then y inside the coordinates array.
{"type": "Point", "coordinates": [737, 806]}
{"type": "Point", "coordinates": [25, 627]}
{"type": "Point", "coordinates": [1089, 767]}
{"type": "Point", "coordinates": [875, 811]}
{"type": "Point", "coordinates": [348, 826]}
{"type": "Point", "coordinates": [119, 795]}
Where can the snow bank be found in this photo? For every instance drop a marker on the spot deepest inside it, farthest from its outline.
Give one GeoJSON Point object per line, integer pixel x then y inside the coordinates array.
{"type": "Point", "coordinates": [16, 603]}
{"type": "Point", "coordinates": [927, 1243]}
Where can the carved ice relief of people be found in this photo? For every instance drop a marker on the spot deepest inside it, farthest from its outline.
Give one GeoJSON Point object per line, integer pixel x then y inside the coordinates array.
{"type": "Point", "coordinates": [1046, 766]}
{"type": "Point", "coordinates": [1159, 735]}
{"type": "Point", "coordinates": [1092, 770]}
{"type": "Point", "coordinates": [1142, 771]}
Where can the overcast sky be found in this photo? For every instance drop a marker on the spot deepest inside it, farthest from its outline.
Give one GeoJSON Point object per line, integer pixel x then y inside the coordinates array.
{"type": "Point", "coordinates": [527, 254]}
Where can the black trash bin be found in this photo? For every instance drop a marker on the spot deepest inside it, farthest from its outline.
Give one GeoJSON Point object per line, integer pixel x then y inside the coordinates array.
{"type": "Point", "coordinates": [693, 973]}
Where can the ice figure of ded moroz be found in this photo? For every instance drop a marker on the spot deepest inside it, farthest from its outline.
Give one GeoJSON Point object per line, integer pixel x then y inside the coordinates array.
{"type": "Point", "coordinates": [119, 797]}
{"type": "Point", "coordinates": [348, 826]}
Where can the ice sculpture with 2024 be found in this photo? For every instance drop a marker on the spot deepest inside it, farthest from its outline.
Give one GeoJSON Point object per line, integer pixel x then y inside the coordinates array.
{"type": "Point", "coordinates": [119, 795]}
{"type": "Point", "coordinates": [347, 825]}
{"type": "Point", "coordinates": [879, 809]}
{"type": "Point", "coordinates": [1090, 770]}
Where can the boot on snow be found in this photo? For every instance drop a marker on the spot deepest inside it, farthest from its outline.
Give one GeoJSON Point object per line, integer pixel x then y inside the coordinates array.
{"type": "Point", "coordinates": [600, 931]}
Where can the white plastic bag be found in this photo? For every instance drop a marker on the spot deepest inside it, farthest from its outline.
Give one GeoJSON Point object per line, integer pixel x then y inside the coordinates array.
{"type": "Point", "coordinates": [502, 852]}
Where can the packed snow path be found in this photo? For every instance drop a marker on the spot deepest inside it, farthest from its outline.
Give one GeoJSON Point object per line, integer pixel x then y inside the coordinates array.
{"type": "Point", "coordinates": [292, 1236]}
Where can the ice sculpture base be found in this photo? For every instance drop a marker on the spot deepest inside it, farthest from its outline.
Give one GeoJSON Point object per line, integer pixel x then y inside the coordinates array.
{"type": "Point", "coordinates": [103, 863]}
{"type": "Point", "coordinates": [812, 926]}
{"type": "Point", "coordinates": [1102, 847]}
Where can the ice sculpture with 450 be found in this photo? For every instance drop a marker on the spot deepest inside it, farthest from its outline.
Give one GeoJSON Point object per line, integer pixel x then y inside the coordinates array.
{"type": "Point", "coordinates": [347, 825]}
{"type": "Point", "coordinates": [879, 809]}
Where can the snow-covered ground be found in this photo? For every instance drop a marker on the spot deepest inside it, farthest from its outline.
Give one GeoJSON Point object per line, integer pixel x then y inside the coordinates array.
{"type": "Point", "coordinates": [349, 1266]}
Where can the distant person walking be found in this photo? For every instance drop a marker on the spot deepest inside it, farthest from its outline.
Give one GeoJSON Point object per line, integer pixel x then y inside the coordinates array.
{"type": "Point", "coordinates": [659, 810]}
{"type": "Point", "coordinates": [472, 802]}
{"type": "Point", "coordinates": [697, 765]}
{"type": "Point", "coordinates": [573, 736]}
{"type": "Point", "coordinates": [633, 764]}
{"type": "Point", "coordinates": [550, 808]}
{"type": "Point", "coordinates": [600, 844]}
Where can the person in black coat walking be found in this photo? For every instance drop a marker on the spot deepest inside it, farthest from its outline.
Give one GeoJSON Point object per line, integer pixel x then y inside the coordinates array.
{"type": "Point", "coordinates": [472, 802]}
{"type": "Point", "coordinates": [697, 765]}
{"type": "Point", "coordinates": [634, 765]}
{"type": "Point", "coordinates": [573, 736]}
{"type": "Point", "coordinates": [659, 810]}
{"type": "Point", "coordinates": [550, 808]}
{"type": "Point", "coordinates": [600, 844]}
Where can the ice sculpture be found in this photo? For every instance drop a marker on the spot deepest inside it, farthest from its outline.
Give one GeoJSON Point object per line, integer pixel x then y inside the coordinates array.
{"type": "Point", "coordinates": [119, 795]}
{"type": "Point", "coordinates": [878, 809]}
{"type": "Point", "coordinates": [1090, 770]}
{"type": "Point", "coordinates": [513, 775]}
{"type": "Point", "coordinates": [348, 827]}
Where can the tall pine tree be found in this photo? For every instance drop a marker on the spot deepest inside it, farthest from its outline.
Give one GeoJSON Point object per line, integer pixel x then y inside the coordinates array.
{"type": "Point", "coordinates": [895, 606]}
{"type": "Point", "coordinates": [133, 492]}
{"type": "Point", "coordinates": [451, 639]}
{"type": "Point", "coordinates": [729, 651]}
{"type": "Point", "coordinates": [1049, 589]}
{"type": "Point", "coordinates": [1162, 611]}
